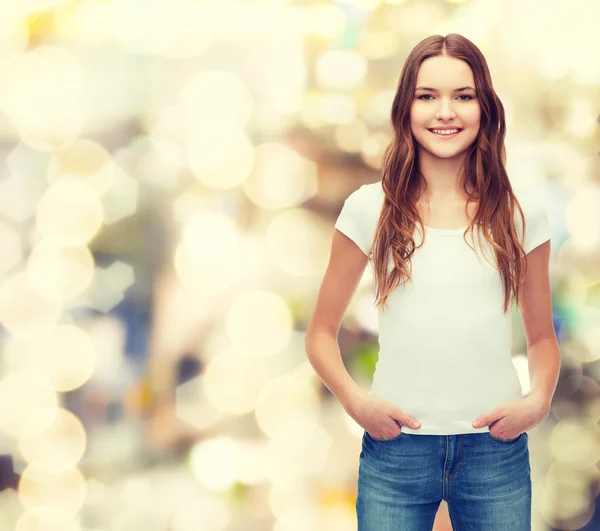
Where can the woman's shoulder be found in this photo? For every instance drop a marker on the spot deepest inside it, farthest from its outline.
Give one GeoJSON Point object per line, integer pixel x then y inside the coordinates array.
{"type": "Point", "coordinates": [369, 193]}
{"type": "Point", "coordinates": [533, 204]}
{"type": "Point", "coordinates": [365, 198]}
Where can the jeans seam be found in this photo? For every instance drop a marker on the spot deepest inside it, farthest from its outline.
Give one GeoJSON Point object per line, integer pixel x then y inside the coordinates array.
{"type": "Point", "coordinates": [390, 439]}
{"type": "Point", "coordinates": [460, 457]}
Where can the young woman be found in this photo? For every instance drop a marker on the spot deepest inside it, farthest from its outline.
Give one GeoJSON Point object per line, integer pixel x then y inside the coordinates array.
{"type": "Point", "coordinates": [450, 243]}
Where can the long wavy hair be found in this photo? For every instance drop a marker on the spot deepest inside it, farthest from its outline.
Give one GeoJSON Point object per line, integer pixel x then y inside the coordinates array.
{"type": "Point", "coordinates": [483, 178]}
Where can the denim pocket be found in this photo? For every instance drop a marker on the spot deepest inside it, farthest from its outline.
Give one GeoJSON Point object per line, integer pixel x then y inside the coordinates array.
{"type": "Point", "coordinates": [505, 440]}
{"type": "Point", "coordinates": [389, 439]}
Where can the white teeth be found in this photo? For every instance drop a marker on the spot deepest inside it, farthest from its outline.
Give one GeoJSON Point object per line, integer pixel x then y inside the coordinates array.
{"type": "Point", "coordinates": [445, 132]}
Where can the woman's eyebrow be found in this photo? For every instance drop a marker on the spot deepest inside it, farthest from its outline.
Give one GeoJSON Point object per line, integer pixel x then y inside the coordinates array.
{"type": "Point", "coordinates": [461, 89]}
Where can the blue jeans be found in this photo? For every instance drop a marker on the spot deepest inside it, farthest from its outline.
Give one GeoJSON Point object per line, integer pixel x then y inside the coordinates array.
{"type": "Point", "coordinates": [486, 482]}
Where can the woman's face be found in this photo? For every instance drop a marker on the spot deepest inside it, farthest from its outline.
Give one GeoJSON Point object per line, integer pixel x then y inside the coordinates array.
{"type": "Point", "coordinates": [445, 107]}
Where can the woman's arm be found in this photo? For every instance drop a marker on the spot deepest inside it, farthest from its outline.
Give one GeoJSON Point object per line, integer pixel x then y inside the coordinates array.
{"type": "Point", "coordinates": [543, 352]}
{"type": "Point", "coordinates": [346, 266]}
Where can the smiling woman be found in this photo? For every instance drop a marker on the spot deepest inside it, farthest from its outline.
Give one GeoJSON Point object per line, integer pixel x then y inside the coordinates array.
{"type": "Point", "coordinates": [439, 106]}
{"type": "Point", "coordinates": [449, 245]}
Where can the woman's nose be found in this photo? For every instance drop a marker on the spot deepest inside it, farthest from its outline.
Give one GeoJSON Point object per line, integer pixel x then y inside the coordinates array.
{"type": "Point", "coordinates": [445, 109]}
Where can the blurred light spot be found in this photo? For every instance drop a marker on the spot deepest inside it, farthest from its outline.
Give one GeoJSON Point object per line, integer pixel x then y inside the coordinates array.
{"type": "Point", "coordinates": [19, 196]}
{"type": "Point", "coordinates": [187, 205]}
{"type": "Point", "coordinates": [581, 120]}
{"type": "Point", "coordinates": [297, 454]}
{"type": "Point", "coordinates": [33, 404]}
{"type": "Point", "coordinates": [61, 446]}
{"type": "Point", "coordinates": [169, 157]}
{"type": "Point", "coordinates": [366, 5]}
{"type": "Point", "coordinates": [192, 407]}
{"type": "Point", "coordinates": [340, 69]}
{"type": "Point", "coordinates": [113, 445]}
{"type": "Point", "coordinates": [60, 272]}
{"type": "Point", "coordinates": [251, 469]}
{"type": "Point", "coordinates": [216, 96]}
{"type": "Point", "coordinates": [69, 213]}
{"type": "Point", "coordinates": [311, 111]}
{"type": "Point", "coordinates": [350, 136]}
{"type": "Point", "coordinates": [210, 237]}
{"type": "Point", "coordinates": [571, 442]}
{"type": "Point", "coordinates": [95, 492]}
{"type": "Point", "coordinates": [259, 323]}
{"type": "Point", "coordinates": [522, 368]}
{"type": "Point", "coordinates": [233, 382]}
{"type": "Point", "coordinates": [298, 517]}
{"type": "Point", "coordinates": [378, 44]}
{"type": "Point", "coordinates": [215, 19]}
{"type": "Point", "coordinates": [14, 37]}
{"type": "Point", "coordinates": [589, 330]}
{"type": "Point", "coordinates": [42, 94]}
{"type": "Point", "coordinates": [109, 286]}
{"type": "Point", "coordinates": [135, 489]}
{"type": "Point", "coordinates": [280, 178]}
{"type": "Point", "coordinates": [337, 108]}
{"type": "Point", "coordinates": [147, 516]}
{"type": "Point", "coordinates": [10, 509]}
{"type": "Point", "coordinates": [108, 336]}
{"type": "Point", "coordinates": [86, 161]}
{"type": "Point", "coordinates": [324, 20]}
{"type": "Point", "coordinates": [582, 217]}
{"type": "Point", "coordinates": [220, 156]}
{"type": "Point", "coordinates": [11, 252]}
{"type": "Point", "coordinates": [155, 160]}
{"type": "Point", "coordinates": [23, 310]}
{"type": "Point", "coordinates": [86, 21]}
{"type": "Point", "coordinates": [64, 355]}
{"type": "Point", "coordinates": [376, 110]}
{"type": "Point", "coordinates": [120, 201]}
{"type": "Point", "coordinates": [44, 520]}
{"type": "Point", "coordinates": [50, 4]}
{"type": "Point", "coordinates": [166, 121]}
{"type": "Point", "coordinates": [416, 19]}
{"type": "Point", "coordinates": [180, 38]}
{"type": "Point", "coordinates": [287, 403]}
{"type": "Point", "coordinates": [171, 29]}
{"type": "Point", "coordinates": [353, 427]}
{"type": "Point", "coordinates": [215, 462]}
{"type": "Point", "coordinates": [28, 164]}
{"type": "Point", "coordinates": [277, 71]}
{"type": "Point", "coordinates": [296, 243]}
{"type": "Point", "coordinates": [203, 277]}
{"type": "Point", "coordinates": [373, 148]}
{"type": "Point", "coordinates": [212, 512]}
{"type": "Point", "coordinates": [338, 516]}
{"type": "Point", "coordinates": [64, 490]}
{"type": "Point", "coordinates": [565, 500]}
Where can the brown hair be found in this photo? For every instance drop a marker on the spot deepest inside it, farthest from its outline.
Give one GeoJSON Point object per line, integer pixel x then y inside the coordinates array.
{"type": "Point", "coordinates": [484, 178]}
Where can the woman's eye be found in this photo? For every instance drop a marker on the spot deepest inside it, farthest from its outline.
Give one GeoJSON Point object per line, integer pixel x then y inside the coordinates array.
{"type": "Point", "coordinates": [461, 96]}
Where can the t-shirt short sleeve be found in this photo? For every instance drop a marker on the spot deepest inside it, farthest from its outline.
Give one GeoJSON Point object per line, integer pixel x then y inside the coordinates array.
{"type": "Point", "coordinates": [537, 225]}
{"type": "Point", "coordinates": [352, 220]}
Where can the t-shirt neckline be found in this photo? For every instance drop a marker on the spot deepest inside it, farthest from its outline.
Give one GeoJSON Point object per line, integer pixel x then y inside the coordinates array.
{"type": "Point", "coordinates": [445, 231]}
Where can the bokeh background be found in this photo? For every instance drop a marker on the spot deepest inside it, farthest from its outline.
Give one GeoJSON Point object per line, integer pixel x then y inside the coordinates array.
{"type": "Point", "coordinates": [170, 174]}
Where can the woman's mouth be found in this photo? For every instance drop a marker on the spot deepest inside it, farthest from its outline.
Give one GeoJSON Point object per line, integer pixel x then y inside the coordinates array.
{"type": "Point", "coordinates": [445, 133]}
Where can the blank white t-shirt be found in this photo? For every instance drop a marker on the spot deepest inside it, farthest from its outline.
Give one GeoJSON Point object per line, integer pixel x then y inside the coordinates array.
{"type": "Point", "coordinates": [444, 339]}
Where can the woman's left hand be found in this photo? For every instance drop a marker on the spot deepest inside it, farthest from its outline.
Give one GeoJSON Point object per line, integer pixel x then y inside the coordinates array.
{"type": "Point", "coordinates": [511, 419]}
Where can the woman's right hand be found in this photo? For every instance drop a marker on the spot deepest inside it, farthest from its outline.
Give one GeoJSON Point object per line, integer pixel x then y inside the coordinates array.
{"type": "Point", "coordinates": [379, 417]}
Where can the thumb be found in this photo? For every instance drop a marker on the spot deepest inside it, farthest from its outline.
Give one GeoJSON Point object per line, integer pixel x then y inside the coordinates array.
{"type": "Point", "coordinates": [405, 419]}
{"type": "Point", "coordinates": [484, 420]}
